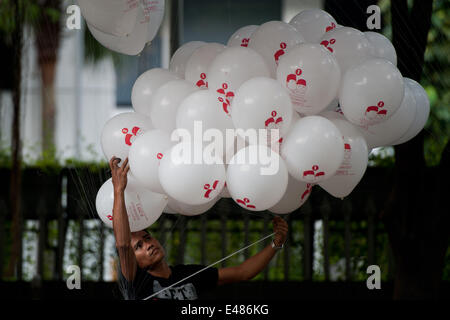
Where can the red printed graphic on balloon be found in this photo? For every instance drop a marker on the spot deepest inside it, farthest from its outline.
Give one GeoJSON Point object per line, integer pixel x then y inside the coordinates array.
{"type": "Point", "coordinates": [313, 174]}
{"type": "Point", "coordinates": [280, 52]}
{"type": "Point", "coordinates": [159, 156]}
{"type": "Point", "coordinates": [330, 27]}
{"type": "Point", "coordinates": [210, 189]}
{"type": "Point", "coordinates": [245, 42]}
{"type": "Point", "coordinates": [245, 202]}
{"type": "Point", "coordinates": [131, 4]}
{"type": "Point", "coordinates": [202, 83]}
{"type": "Point", "coordinates": [376, 112]}
{"type": "Point", "coordinates": [129, 137]}
{"type": "Point", "coordinates": [273, 122]}
{"type": "Point", "coordinates": [327, 44]}
{"type": "Point", "coordinates": [297, 87]}
{"type": "Point", "coordinates": [373, 115]}
{"type": "Point", "coordinates": [110, 217]}
{"type": "Point", "coordinates": [346, 166]}
{"type": "Point", "coordinates": [307, 191]}
{"type": "Point", "coordinates": [225, 98]}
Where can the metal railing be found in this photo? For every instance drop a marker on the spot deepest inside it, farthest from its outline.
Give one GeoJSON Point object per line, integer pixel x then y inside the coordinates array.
{"type": "Point", "coordinates": [68, 196]}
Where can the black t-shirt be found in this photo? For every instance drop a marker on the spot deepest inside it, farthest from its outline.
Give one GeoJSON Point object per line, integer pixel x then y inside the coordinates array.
{"type": "Point", "coordinates": [144, 284]}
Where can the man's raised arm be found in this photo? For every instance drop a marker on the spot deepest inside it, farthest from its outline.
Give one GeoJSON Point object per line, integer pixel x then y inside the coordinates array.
{"type": "Point", "coordinates": [255, 264]}
{"type": "Point", "coordinates": [121, 226]}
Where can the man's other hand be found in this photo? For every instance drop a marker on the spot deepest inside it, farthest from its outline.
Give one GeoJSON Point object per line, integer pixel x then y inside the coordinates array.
{"type": "Point", "coordinates": [280, 228]}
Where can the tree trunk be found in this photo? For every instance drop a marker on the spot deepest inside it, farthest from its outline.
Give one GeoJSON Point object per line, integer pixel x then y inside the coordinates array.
{"type": "Point", "coordinates": [48, 30]}
{"type": "Point", "coordinates": [48, 105]}
{"type": "Point", "coordinates": [415, 225]}
{"type": "Point", "coordinates": [15, 181]}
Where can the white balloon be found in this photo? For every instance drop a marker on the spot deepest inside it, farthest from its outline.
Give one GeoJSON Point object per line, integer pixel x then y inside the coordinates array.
{"type": "Point", "coordinates": [262, 103]}
{"type": "Point", "coordinates": [114, 17]}
{"type": "Point", "coordinates": [145, 155]}
{"type": "Point", "coordinates": [313, 150]}
{"type": "Point", "coordinates": [230, 69]}
{"type": "Point", "coordinates": [231, 149]}
{"type": "Point", "coordinates": [154, 15]}
{"type": "Point", "coordinates": [192, 210]}
{"type": "Point", "coordinates": [348, 45]}
{"type": "Point", "coordinates": [143, 206]}
{"type": "Point", "coordinates": [256, 178]}
{"type": "Point", "coordinates": [120, 131]}
{"type": "Point", "coordinates": [272, 40]}
{"type": "Point", "coordinates": [131, 44]}
{"type": "Point", "coordinates": [311, 75]}
{"type": "Point", "coordinates": [165, 103]}
{"type": "Point", "coordinates": [297, 192]}
{"type": "Point", "coordinates": [146, 85]}
{"type": "Point", "coordinates": [189, 182]}
{"type": "Point", "coordinates": [381, 46]}
{"type": "Point", "coordinates": [313, 23]}
{"type": "Point", "coordinates": [202, 106]}
{"type": "Point", "coordinates": [371, 92]}
{"type": "Point", "coordinates": [387, 132]}
{"type": "Point", "coordinates": [422, 111]}
{"type": "Point", "coordinates": [181, 56]}
{"type": "Point", "coordinates": [353, 166]}
{"type": "Point", "coordinates": [169, 210]}
{"type": "Point", "coordinates": [241, 37]}
{"type": "Point", "coordinates": [196, 70]}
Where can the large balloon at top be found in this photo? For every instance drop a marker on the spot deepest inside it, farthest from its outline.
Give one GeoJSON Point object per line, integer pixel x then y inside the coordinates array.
{"type": "Point", "coordinates": [272, 40]}
{"type": "Point", "coordinates": [230, 69]}
{"type": "Point", "coordinates": [154, 14]}
{"type": "Point", "coordinates": [313, 23]}
{"type": "Point", "coordinates": [146, 85]}
{"type": "Point", "coordinates": [113, 17]}
{"type": "Point", "coordinates": [350, 46]}
{"type": "Point", "coordinates": [147, 21]}
{"type": "Point", "coordinates": [131, 44]}
{"type": "Point", "coordinates": [311, 75]}
{"type": "Point", "coordinates": [371, 92]}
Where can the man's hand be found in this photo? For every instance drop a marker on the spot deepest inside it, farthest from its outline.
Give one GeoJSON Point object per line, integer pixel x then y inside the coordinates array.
{"type": "Point", "coordinates": [280, 227]}
{"type": "Point", "coordinates": [119, 174]}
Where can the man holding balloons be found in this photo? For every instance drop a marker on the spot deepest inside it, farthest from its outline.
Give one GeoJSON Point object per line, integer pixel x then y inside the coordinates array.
{"type": "Point", "coordinates": [144, 270]}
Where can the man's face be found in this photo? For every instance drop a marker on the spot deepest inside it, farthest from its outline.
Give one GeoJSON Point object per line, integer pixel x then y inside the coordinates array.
{"type": "Point", "coordinates": [147, 249]}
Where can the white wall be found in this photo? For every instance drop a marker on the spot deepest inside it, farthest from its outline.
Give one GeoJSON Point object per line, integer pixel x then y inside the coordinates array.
{"type": "Point", "coordinates": [84, 97]}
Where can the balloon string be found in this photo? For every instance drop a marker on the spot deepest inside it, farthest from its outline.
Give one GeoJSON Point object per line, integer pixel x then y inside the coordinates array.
{"type": "Point", "coordinates": [212, 264]}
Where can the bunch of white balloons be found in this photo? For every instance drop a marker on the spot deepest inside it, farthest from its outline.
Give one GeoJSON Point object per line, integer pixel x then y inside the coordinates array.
{"type": "Point", "coordinates": [124, 26]}
{"type": "Point", "coordinates": [333, 92]}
